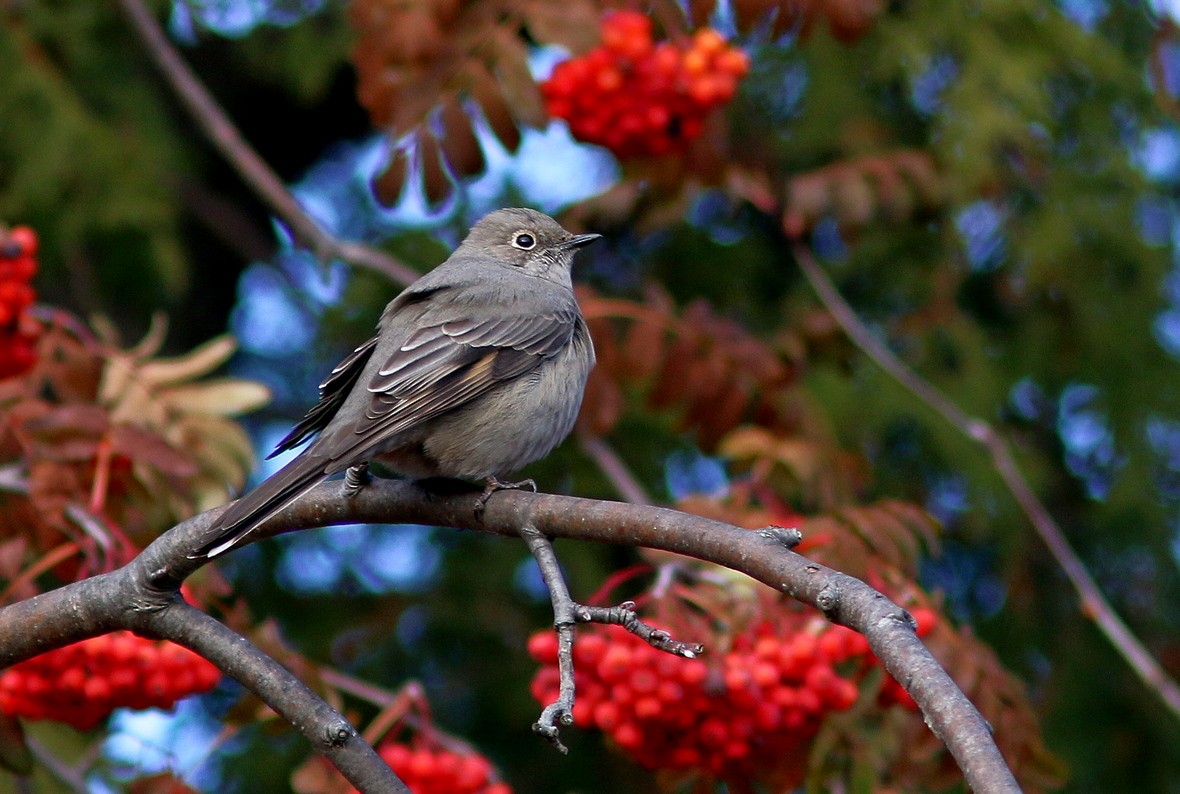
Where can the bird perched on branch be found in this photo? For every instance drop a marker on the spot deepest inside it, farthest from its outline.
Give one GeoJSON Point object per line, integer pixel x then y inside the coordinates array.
{"type": "Point", "coordinates": [476, 370]}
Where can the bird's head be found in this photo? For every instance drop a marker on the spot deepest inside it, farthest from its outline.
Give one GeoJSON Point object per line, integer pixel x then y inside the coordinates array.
{"type": "Point", "coordinates": [528, 240]}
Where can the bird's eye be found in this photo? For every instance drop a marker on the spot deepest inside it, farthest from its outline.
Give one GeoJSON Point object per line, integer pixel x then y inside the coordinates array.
{"type": "Point", "coordinates": [524, 241]}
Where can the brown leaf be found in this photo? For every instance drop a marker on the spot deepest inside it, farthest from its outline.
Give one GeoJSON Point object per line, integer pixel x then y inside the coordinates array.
{"type": "Point", "coordinates": [12, 557]}
{"type": "Point", "coordinates": [706, 367]}
{"type": "Point", "coordinates": [316, 775]}
{"type": "Point", "coordinates": [850, 19]}
{"type": "Point", "coordinates": [642, 348]}
{"type": "Point", "coordinates": [716, 417]}
{"type": "Point", "coordinates": [68, 433]}
{"type": "Point", "coordinates": [217, 397]}
{"type": "Point", "coordinates": [573, 24]}
{"type": "Point", "coordinates": [796, 16]}
{"type": "Point", "coordinates": [699, 12]}
{"type": "Point", "coordinates": [486, 91]}
{"type": "Point", "coordinates": [412, 34]}
{"type": "Point", "coordinates": [750, 13]}
{"type": "Point", "coordinates": [675, 374]}
{"type": "Point", "coordinates": [162, 783]}
{"type": "Point", "coordinates": [390, 183]}
{"type": "Point", "coordinates": [517, 85]}
{"type": "Point", "coordinates": [143, 446]}
{"type": "Point", "coordinates": [460, 147]}
{"type": "Point", "coordinates": [602, 405]}
{"type": "Point", "coordinates": [896, 185]}
{"type": "Point", "coordinates": [436, 183]}
{"type": "Point", "coordinates": [853, 200]}
{"type": "Point", "coordinates": [415, 99]}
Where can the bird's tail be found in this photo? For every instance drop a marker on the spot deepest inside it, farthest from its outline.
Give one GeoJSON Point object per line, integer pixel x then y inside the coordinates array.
{"type": "Point", "coordinates": [272, 495]}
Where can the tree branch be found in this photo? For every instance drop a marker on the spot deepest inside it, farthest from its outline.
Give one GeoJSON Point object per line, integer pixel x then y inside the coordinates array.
{"type": "Point", "coordinates": [142, 596]}
{"type": "Point", "coordinates": [327, 730]}
{"type": "Point", "coordinates": [1094, 604]}
{"type": "Point", "coordinates": [567, 612]}
{"type": "Point", "coordinates": [253, 170]}
{"type": "Point", "coordinates": [112, 601]}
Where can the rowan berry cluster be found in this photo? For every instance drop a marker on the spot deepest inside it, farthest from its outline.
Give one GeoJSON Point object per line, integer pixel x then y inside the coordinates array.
{"type": "Point", "coordinates": [81, 684]}
{"type": "Point", "coordinates": [638, 97]}
{"type": "Point", "coordinates": [18, 249]}
{"type": "Point", "coordinates": [429, 770]}
{"type": "Point", "coordinates": [732, 719]}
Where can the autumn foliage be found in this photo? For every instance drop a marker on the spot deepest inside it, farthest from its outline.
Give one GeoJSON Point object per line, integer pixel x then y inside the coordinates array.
{"type": "Point", "coordinates": [980, 198]}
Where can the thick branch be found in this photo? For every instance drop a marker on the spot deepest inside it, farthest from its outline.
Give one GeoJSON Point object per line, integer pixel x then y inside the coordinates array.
{"type": "Point", "coordinates": [142, 597]}
{"type": "Point", "coordinates": [327, 730]}
{"type": "Point", "coordinates": [1094, 603]}
{"type": "Point", "coordinates": [253, 170]}
{"type": "Point", "coordinates": [102, 604]}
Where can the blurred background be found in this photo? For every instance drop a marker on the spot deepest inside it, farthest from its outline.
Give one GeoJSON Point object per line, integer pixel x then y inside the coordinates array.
{"type": "Point", "coordinates": [991, 186]}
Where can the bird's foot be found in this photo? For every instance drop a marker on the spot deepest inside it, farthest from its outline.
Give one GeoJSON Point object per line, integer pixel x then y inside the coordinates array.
{"type": "Point", "coordinates": [355, 478]}
{"type": "Point", "coordinates": [496, 484]}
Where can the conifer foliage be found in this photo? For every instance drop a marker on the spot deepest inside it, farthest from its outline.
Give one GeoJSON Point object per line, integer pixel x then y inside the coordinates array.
{"type": "Point", "coordinates": [988, 186]}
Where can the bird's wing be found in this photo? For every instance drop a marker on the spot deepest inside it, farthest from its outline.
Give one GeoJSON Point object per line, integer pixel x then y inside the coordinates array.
{"type": "Point", "coordinates": [333, 391]}
{"type": "Point", "coordinates": [444, 365]}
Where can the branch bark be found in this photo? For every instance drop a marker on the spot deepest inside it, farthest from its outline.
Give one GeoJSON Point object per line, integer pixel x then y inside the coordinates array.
{"type": "Point", "coordinates": [141, 596]}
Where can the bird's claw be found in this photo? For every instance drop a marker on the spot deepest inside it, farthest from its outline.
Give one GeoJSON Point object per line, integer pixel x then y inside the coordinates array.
{"type": "Point", "coordinates": [356, 478]}
{"type": "Point", "coordinates": [496, 484]}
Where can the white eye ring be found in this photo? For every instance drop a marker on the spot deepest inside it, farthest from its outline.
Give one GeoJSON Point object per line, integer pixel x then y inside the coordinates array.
{"type": "Point", "coordinates": [524, 241]}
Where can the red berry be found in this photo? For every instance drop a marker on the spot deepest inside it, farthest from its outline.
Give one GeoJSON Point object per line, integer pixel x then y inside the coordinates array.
{"type": "Point", "coordinates": [542, 646]}
{"type": "Point", "coordinates": [627, 735]}
{"type": "Point", "coordinates": [926, 619]}
{"type": "Point", "coordinates": [638, 98]}
{"type": "Point", "coordinates": [616, 663]}
{"type": "Point", "coordinates": [588, 649]}
{"type": "Point", "coordinates": [648, 707]}
{"type": "Point", "coordinates": [606, 715]}
{"type": "Point", "coordinates": [24, 238]}
{"type": "Point", "coordinates": [694, 672]}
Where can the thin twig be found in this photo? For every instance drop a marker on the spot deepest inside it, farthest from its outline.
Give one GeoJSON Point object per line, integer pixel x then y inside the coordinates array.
{"type": "Point", "coordinates": [67, 775]}
{"type": "Point", "coordinates": [614, 469]}
{"type": "Point", "coordinates": [565, 612]}
{"type": "Point", "coordinates": [1094, 604]}
{"type": "Point", "coordinates": [49, 560]}
{"type": "Point", "coordinates": [382, 698]}
{"type": "Point", "coordinates": [253, 170]}
{"type": "Point", "coordinates": [327, 730]}
{"type": "Point", "coordinates": [624, 615]}
{"type": "Point", "coordinates": [562, 709]}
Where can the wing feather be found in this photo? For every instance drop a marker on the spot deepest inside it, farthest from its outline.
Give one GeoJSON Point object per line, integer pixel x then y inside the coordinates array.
{"type": "Point", "coordinates": [446, 365]}
{"type": "Point", "coordinates": [333, 391]}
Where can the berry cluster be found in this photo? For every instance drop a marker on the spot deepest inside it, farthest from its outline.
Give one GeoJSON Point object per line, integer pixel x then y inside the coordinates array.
{"type": "Point", "coordinates": [436, 771]}
{"type": "Point", "coordinates": [81, 684]}
{"type": "Point", "coordinates": [637, 97]}
{"type": "Point", "coordinates": [733, 720]}
{"type": "Point", "coordinates": [17, 265]}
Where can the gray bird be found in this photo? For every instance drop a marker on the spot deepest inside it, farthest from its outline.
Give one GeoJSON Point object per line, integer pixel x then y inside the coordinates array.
{"type": "Point", "coordinates": [476, 370]}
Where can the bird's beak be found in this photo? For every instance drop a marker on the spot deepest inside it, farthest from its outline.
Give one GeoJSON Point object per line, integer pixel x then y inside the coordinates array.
{"type": "Point", "coordinates": [578, 241]}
